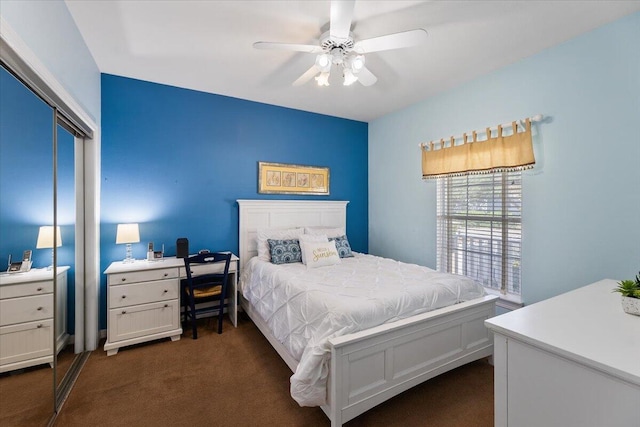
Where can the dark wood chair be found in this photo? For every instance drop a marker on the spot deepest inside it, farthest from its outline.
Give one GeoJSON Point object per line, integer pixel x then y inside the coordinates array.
{"type": "Point", "coordinates": [205, 282]}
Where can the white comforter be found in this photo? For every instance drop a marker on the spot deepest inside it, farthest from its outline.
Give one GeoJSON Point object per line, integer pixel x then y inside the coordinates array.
{"type": "Point", "coordinates": [305, 307]}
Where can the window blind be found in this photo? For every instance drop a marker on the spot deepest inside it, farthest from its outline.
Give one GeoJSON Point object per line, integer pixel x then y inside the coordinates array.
{"type": "Point", "coordinates": [479, 228]}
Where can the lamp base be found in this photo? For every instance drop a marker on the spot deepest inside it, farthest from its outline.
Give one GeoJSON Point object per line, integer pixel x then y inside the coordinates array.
{"type": "Point", "coordinates": [53, 259]}
{"type": "Point", "coordinates": [128, 258]}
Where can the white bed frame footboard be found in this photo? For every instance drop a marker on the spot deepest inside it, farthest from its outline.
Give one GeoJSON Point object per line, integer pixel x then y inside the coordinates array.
{"type": "Point", "coordinates": [371, 366]}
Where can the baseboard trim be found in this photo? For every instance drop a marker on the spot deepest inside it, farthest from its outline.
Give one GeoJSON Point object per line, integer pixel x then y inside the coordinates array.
{"type": "Point", "coordinates": [508, 305]}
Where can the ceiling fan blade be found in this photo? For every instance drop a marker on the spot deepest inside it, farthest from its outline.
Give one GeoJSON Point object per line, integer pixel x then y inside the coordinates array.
{"type": "Point", "coordinates": [308, 75]}
{"type": "Point", "coordinates": [340, 20]}
{"type": "Point", "coordinates": [366, 77]}
{"type": "Point", "coordinates": [309, 48]}
{"type": "Point", "coordinates": [391, 41]}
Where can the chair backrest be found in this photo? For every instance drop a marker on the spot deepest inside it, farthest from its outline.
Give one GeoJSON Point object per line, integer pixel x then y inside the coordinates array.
{"type": "Point", "coordinates": [194, 278]}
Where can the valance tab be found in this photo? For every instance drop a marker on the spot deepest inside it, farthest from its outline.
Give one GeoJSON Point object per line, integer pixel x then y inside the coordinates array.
{"type": "Point", "coordinates": [499, 153]}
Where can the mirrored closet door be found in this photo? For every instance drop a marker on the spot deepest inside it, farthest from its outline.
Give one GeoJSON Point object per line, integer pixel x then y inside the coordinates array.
{"type": "Point", "coordinates": [40, 162]}
{"type": "Point", "coordinates": [26, 204]}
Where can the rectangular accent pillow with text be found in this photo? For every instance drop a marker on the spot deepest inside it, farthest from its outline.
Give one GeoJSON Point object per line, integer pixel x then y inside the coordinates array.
{"type": "Point", "coordinates": [318, 254]}
{"type": "Point", "coordinates": [313, 238]}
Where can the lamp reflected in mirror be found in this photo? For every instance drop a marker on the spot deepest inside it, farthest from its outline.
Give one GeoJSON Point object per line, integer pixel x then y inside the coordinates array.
{"type": "Point", "coordinates": [47, 240]}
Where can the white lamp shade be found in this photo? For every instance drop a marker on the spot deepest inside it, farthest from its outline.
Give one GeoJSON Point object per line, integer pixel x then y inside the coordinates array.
{"type": "Point", "coordinates": [127, 233]}
{"type": "Point", "coordinates": [45, 237]}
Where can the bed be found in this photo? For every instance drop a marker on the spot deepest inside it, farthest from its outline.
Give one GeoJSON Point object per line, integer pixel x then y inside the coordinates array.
{"type": "Point", "coordinates": [368, 366]}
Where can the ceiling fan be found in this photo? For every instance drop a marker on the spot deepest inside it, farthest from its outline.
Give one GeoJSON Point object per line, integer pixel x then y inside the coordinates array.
{"type": "Point", "coordinates": [338, 47]}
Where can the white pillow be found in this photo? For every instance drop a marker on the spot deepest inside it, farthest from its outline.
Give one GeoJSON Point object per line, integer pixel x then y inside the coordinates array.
{"type": "Point", "coordinates": [275, 234]}
{"type": "Point", "coordinates": [329, 232]}
{"type": "Point", "coordinates": [318, 254]}
{"type": "Point", "coordinates": [311, 238]}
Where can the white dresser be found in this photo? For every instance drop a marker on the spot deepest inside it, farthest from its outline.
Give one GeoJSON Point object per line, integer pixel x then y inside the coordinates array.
{"type": "Point", "coordinates": [26, 317]}
{"type": "Point", "coordinates": [571, 360]}
{"type": "Point", "coordinates": [143, 301]}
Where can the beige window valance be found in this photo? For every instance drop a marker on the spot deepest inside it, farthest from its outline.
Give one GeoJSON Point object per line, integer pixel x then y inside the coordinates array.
{"type": "Point", "coordinates": [496, 153]}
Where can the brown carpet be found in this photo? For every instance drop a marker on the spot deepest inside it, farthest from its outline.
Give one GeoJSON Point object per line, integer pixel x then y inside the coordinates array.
{"type": "Point", "coordinates": [237, 379]}
{"type": "Point", "coordinates": [26, 395]}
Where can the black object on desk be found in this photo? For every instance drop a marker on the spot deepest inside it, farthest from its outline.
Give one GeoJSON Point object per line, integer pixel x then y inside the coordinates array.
{"type": "Point", "coordinates": [182, 247]}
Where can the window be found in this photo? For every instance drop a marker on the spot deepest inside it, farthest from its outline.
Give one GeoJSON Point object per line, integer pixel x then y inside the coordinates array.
{"type": "Point", "coordinates": [480, 229]}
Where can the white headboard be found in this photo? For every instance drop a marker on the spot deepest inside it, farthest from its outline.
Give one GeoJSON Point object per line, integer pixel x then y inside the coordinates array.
{"type": "Point", "coordinates": [255, 214]}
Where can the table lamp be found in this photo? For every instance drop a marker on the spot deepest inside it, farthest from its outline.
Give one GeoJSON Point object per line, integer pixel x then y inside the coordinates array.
{"type": "Point", "coordinates": [45, 240]}
{"type": "Point", "coordinates": [128, 233]}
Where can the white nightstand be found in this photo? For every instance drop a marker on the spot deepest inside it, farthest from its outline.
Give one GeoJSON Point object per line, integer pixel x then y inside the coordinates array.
{"type": "Point", "coordinates": [143, 301]}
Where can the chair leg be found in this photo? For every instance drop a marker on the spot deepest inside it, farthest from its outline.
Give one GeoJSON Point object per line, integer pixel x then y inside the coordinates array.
{"type": "Point", "coordinates": [183, 307]}
{"type": "Point", "coordinates": [220, 313]}
{"type": "Point", "coordinates": [194, 326]}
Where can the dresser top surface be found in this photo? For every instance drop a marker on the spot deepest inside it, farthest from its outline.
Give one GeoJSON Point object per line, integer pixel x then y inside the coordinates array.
{"type": "Point", "coordinates": [586, 324]}
{"type": "Point", "coordinates": [143, 264]}
{"type": "Point", "coordinates": [33, 275]}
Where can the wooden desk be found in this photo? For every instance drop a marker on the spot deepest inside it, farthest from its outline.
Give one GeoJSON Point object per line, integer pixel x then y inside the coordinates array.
{"type": "Point", "coordinates": [143, 301]}
{"type": "Point", "coordinates": [572, 360]}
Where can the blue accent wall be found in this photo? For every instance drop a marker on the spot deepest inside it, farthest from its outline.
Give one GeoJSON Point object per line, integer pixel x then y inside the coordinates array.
{"type": "Point", "coordinates": [176, 160]}
{"type": "Point", "coordinates": [581, 202]}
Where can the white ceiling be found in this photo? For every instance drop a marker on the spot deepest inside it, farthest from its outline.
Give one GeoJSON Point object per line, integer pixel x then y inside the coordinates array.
{"type": "Point", "coordinates": [207, 45]}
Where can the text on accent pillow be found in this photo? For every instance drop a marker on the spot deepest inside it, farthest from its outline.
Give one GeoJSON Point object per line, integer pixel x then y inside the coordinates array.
{"type": "Point", "coordinates": [318, 254]}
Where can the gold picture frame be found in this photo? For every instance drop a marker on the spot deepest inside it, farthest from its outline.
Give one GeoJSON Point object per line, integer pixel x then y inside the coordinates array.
{"type": "Point", "coordinates": [281, 178]}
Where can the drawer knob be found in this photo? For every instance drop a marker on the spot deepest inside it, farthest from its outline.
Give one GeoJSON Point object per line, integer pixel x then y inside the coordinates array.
{"type": "Point", "coordinates": [124, 278]}
{"type": "Point", "coordinates": [124, 296]}
{"type": "Point", "coordinates": [39, 308]}
{"type": "Point", "coordinates": [166, 274]}
{"type": "Point", "coordinates": [39, 289]}
{"type": "Point", "coordinates": [39, 325]}
{"type": "Point", "coordinates": [166, 305]}
{"type": "Point", "coordinates": [165, 291]}
{"type": "Point", "coordinates": [124, 311]}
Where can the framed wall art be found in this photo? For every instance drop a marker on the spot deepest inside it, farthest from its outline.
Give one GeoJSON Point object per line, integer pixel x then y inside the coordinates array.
{"type": "Point", "coordinates": [280, 178]}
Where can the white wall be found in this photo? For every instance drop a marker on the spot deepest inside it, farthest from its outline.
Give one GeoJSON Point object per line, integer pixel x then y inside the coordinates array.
{"type": "Point", "coordinates": [581, 204]}
{"type": "Point", "coordinates": [48, 29]}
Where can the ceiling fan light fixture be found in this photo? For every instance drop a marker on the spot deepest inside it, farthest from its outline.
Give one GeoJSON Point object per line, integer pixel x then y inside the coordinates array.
{"type": "Point", "coordinates": [357, 63]}
{"type": "Point", "coordinates": [338, 47]}
{"type": "Point", "coordinates": [337, 56]}
{"type": "Point", "coordinates": [349, 77]}
{"type": "Point", "coordinates": [323, 62]}
{"type": "Point", "coordinates": [323, 79]}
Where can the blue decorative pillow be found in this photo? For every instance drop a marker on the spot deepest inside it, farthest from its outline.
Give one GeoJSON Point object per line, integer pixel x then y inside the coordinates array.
{"type": "Point", "coordinates": [284, 251]}
{"type": "Point", "coordinates": [343, 246]}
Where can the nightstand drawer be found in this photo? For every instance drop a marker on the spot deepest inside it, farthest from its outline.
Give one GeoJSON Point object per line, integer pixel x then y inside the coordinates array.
{"type": "Point", "coordinates": [142, 293]}
{"type": "Point", "coordinates": [142, 276]}
{"type": "Point", "coordinates": [26, 341]}
{"type": "Point", "coordinates": [142, 320]}
{"type": "Point", "coordinates": [26, 289]}
{"type": "Point", "coordinates": [26, 309]}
